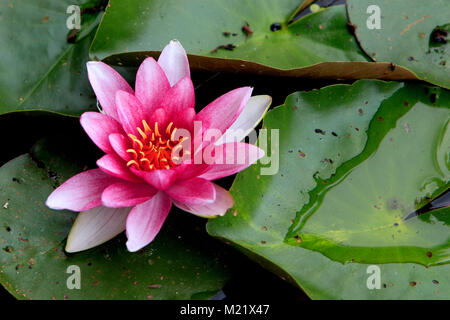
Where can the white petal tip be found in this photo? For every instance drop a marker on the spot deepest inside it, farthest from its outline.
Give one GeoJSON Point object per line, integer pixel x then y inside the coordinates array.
{"type": "Point", "coordinates": [261, 153]}
{"type": "Point", "coordinates": [52, 204]}
{"type": "Point", "coordinates": [75, 244]}
{"type": "Point", "coordinates": [92, 64]}
{"type": "Point", "coordinates": [69, 249]}
{"type": "Point", "coordinates": [132, 247]}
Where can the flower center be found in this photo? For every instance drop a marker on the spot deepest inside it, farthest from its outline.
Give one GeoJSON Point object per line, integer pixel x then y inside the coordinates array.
{"type": "Point", "coordinates": [153, 149]}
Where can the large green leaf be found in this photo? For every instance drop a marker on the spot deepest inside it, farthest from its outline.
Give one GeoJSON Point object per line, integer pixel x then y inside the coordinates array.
{"type": "Point", "coordinates": [182, 263]}
{"type": "Point", "coordinates": [39, 68]}
{"type": "Point", "coordinates": [309, 47]}
{"type": "Point", "coordinates": [354, 161]}
{"type": "Point", "coordinates": [407, 36]}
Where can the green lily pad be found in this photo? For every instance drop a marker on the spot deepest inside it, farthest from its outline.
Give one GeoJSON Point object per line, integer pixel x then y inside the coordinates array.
{"type": "Point", "coordinates": [407, 35]}
{"type": "Point", "coordinates": [40, 69]}
{"type": "Point", "coordinates": [354, 162]}
{"type": "Point", "coordinates": [214, 38]}
{"type": "Point", "coordinates": [182, 263]}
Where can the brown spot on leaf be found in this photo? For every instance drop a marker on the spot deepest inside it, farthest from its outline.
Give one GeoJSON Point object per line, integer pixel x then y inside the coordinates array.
{"type": "Point", "coordinates": [351, 27]}
{"type": "Point", "coordinates": [72, 36]}
{"type": "Point", "coordinates": [247, 30]}
{"type": "Point", "coordinates": [320, 131]}
{"type": "Point", "coordinates": [229, 47]}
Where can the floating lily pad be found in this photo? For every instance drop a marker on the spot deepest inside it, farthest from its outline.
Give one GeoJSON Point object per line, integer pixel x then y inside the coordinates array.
{"type": "Point", "coordinates": [407, 36]}
{"type": "Point", "coordinates": [238, 36]}
{"type": "Point", "coordinates": [40, 69]}
{"type": "Point", "coordinates": [354, 162]}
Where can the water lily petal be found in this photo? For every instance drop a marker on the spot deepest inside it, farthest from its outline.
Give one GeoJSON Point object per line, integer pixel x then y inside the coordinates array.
{"type": "Point", "coordinates": [81, 192]}
{"type": "Point", "coordinates": [236, 157]}
{"type": "Point", "coordinates": [115, 166]}
{"type": "Point", "coordinates": [181, 96]}
{"type": "Point", "coordinates": [106, 82]}
{"type": "Point", "coordinates": [189, 171]}
{"type": "Point", "coordinates": [130, 111]}
{"type": "Point", "coordinates": [174, 61]}
{"type": "Point", "coordinates": [160, 179]}
{"type": "Point", "coordinates": [184, 119]}
{"type": "Point", "coordinates": [223, 111]}
{"type": "Point", "coordinates": [98, 127]}
{"type": "Point", "coordinates": [145, 221]}
{"type": "Point", "coordinates": [151, 85]}
{"type": "Point", "coordinates": [249, 118]}
{"type": "Point", "coordinates": [219, 207]}
{"type": "Point", "coordinates": [96, 226]}
{"type": "Point", "coordinates": [127, 194]}
{"type": "Point", "coordinates": [120, 144]}
{"type": "Point", "coordinates": [159, 115]}
{"type": "Point", "coordinates": [195, 191]}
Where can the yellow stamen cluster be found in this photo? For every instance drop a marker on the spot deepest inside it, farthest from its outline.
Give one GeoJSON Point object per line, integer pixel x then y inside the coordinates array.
{"type": "Point", "coordinates": [153, 149]}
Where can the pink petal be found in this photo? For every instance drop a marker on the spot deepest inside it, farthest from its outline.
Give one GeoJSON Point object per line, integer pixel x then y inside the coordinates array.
{"type": "Point", "coordinates": [181, 96]}
{"type": "Point", "coordinates": [249, 118]}
{"type": "Point", "coordinates": [195, 191]}
{"type": "Point", "coordinates": [81, 192]}
{"type": "Point", "coordinates": [106, 82]}
{"type": "Point", "coordinates": [130, 111]}
{"type": "Point", "coordinates": [145, 221]}
{"type": "Point", "coordinates": [160, 179]}
{"type": "Point", "coordinates": [159, 115]}
{"type": "Point", "coordinates": [127, 194]}
{"type": "Point", "coordinates": [96, 226]}
{"type": "Point", "coordinates": [98, 127]}
{"type": "Point", "coordinates": [173, 60]}
{"type": "Point", "coordinates": [223, 111]}
{"type": "Point", "coordinates": [189, 171]}
{"type": "Point", "coordinates": [120, 144]}
{"type": "Point", "coordinates": [219, 207]}
{"type": "Point", "coordinates": [236, 157]}
{"type": "Point", "coordinates": [115, 166]}
{"type": "Point", "coordinates": [151, 85]}
{"type": "Point", "coordinates": [184, 119]}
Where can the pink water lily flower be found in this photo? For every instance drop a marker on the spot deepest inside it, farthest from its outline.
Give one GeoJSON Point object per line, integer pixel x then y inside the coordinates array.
{"type": "Point", "coordinates": [150, 138]}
